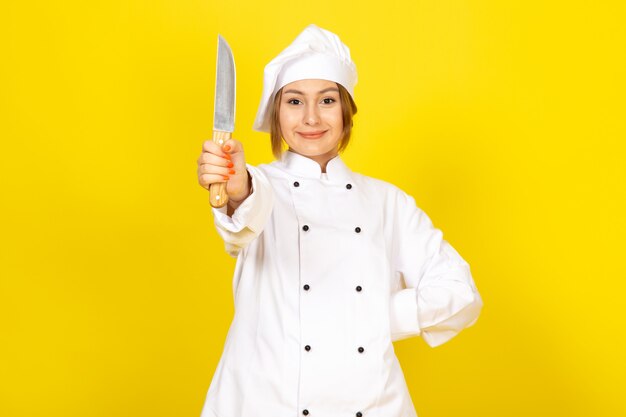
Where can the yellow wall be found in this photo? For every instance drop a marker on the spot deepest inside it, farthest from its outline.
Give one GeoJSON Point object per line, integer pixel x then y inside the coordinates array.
{"type": "Point", "coordinates": [504, 119]}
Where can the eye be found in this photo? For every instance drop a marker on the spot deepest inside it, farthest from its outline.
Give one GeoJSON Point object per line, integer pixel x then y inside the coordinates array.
{"type": "Point", "coordinates": [328, 100]}
{"type": "Point", "coordinates": [294, 101]}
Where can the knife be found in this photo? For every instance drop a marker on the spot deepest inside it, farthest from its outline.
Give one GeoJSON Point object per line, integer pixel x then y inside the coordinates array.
{"type": "Point", "coordinates": [224, 111]}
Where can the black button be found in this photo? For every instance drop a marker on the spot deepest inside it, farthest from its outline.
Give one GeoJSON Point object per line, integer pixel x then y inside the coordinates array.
{"type": "Point", "coordinates": [358, 288]}
{"type": "Point", "coordinates": [296, 184]}
{"type": "Point", "coordinates": [305, 227]}
{"type": "Point", "coordinates": [305, 412]}
{"type": "Point", "coordinates": [361, 350]}
{"type": "Point", "coordinates": [348, 186]}
{"type": "Point", "coordinates": [306, 287]}
{"type": "Point", "coordinates": [307, 348]}
{"type": "Point", "coordinates": [358, 230]}
{"type": "Point", "coordinates": [359, 414]}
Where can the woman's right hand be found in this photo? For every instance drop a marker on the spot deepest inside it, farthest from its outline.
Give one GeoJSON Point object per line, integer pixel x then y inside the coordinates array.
{"type": "Point", "coordinates": [224, 164]}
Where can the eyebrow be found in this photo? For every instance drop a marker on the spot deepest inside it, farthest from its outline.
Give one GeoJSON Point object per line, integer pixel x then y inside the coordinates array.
{"type": "Point", "coordinates": [326, 90]}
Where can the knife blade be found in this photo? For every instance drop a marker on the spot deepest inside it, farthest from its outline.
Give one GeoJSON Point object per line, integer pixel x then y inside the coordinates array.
{"type": "Point", "coordinates": [224, 110]}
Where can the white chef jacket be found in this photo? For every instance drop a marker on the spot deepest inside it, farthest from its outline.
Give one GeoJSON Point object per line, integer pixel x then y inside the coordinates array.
{"type": "Point", "coordinates": [331, 268]}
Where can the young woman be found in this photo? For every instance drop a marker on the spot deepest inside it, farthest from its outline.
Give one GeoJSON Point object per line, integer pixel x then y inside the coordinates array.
{"type": "Point", "coordinates": [332, 266]}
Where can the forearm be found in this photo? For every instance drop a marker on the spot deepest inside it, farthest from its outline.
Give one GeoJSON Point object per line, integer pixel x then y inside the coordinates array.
{"type": "Point", "coordinates": [241, 221]}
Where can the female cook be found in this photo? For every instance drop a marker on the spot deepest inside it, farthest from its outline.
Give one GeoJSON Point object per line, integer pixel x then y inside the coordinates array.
{"type": "Point", "coordinates": [332, 266]}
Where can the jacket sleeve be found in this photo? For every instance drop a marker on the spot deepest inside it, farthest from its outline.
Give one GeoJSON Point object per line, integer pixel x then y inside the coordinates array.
{"type": "Point", "coordinates": [249, 219]}
{"type": "Point", "coordinates": [440, 298]}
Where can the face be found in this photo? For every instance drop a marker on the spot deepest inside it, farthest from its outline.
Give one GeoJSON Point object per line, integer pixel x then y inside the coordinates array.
{"type": "Point", "coordinates": [311, 120]}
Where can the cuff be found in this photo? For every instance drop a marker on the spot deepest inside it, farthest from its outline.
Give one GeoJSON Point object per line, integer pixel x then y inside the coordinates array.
{"type": "Point", "coordinates": [403, 314]}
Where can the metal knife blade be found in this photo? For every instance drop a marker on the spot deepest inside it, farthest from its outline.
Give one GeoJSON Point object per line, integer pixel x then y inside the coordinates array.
{"type": "Point", "coordinates": [224, 109]}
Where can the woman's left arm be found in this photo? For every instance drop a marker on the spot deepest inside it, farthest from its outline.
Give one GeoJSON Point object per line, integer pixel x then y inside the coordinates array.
{"type": "Point", "coordinates": [440, 298]}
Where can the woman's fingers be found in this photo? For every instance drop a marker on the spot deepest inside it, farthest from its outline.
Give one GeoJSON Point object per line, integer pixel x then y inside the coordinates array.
{"type": "Point", "coordinates": [214, 169]}
{"type": "Point", "coordinates": [209, 158]}
{"type": "Point", "coordinates": [225, 163]}
{"type": "Point", "coordinates": [206, 180]}
{"type": "Point", "coordinates": [232, 146]}
{"type": "Point", "coordinates": [212, 147]}
{"type": "Point", "coordinates": [234, 149]}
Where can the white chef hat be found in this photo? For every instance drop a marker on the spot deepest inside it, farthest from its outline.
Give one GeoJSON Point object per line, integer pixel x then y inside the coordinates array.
{"type": "Point", "coordinates": [315, 54]}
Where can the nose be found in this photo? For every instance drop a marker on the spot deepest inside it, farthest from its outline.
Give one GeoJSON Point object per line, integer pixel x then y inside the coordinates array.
{"type": "Point", "coordinates": [311, 115]}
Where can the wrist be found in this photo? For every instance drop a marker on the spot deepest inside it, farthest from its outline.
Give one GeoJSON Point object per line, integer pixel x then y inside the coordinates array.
{"type": "Point", "coordinates": [235, 202]}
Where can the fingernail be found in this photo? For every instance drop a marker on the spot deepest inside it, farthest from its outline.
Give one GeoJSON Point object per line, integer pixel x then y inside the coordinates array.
{"type": "Point", "coordinates": [227, 156]}
{"type": "Point", "coordinates": [226, 177]}
{"type": "Point", "coordinates": [230, 165]}
{"type": "Point", "coordinates": [231, 172]}
{"type": "Point", "coordinates": [227, 148]}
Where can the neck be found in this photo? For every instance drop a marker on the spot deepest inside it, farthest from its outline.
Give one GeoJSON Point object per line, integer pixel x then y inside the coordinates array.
{"type": "Point", "coordinates": [322, 163]}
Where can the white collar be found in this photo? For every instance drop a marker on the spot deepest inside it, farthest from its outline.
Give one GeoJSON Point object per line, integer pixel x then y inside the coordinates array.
{"type": "Point", "coordinates": [336, 170]}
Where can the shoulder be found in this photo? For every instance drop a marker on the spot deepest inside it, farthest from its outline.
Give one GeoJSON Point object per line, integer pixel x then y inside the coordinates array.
{"type": "Point", "coordinates": [266, 171]}
{"type": "Point", "coordinates": [273, 169]}
{"type": "Point", "coordinates": [391, 193]}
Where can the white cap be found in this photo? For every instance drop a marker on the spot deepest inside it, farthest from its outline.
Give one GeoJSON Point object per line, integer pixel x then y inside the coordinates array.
{"type": "Point", "coordinates": [315, 54]}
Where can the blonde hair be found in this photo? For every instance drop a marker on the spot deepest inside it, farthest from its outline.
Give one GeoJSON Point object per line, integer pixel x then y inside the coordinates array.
{"type": "Point", "coordinates": [348, 110]}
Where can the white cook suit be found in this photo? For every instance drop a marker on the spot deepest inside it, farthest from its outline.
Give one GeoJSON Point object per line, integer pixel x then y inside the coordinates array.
{"type": "Point", "coordinates": [331, 268]}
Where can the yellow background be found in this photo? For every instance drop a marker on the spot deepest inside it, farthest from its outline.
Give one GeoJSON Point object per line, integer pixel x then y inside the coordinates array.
{"type": "Point", "coordinates": [505, 120]}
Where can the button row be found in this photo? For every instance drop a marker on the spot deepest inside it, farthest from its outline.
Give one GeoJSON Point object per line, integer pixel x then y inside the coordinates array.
{"type": "Point", "coordinates": [361, 349]}
{"type": "Point", "coordinates": [306, 413]}
{"type": "Point", "coordinates": [308, 287]}
{"type": "Point", "coordinates": [306, 228]}
{"type": "Point", "coordinates": [297, 184]}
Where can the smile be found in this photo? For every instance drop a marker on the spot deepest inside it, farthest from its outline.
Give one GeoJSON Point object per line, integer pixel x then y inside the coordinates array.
{"type": "Point", "coordinates": [311, 135]}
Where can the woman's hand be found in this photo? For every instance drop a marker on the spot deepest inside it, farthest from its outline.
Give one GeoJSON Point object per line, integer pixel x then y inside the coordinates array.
{"type": "Point", "coordinates": [225, 164]}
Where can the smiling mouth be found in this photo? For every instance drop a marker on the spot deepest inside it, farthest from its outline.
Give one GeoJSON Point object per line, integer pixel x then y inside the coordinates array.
{"type": "Point", "coordinates": [311, 135]}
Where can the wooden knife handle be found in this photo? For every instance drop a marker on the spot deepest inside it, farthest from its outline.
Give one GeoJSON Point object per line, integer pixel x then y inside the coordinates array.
{"type": "Point", "coordinates": [217, 191]}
